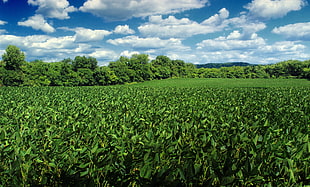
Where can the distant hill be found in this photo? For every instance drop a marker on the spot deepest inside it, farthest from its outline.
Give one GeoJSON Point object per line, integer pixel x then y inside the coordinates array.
{"type": "Point", "coordinates": [219, 65]}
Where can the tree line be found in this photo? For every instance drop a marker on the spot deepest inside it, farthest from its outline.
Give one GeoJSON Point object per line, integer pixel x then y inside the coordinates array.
{"type": "Point", "coordinates": [84, 71]}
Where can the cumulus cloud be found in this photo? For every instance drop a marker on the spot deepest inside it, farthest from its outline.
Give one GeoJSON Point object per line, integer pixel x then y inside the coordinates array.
{"type": "Point", "coordinates": [37, 22]}
{"type": "Point", "coordinates": [217, 19]}
{"type": "Point", "coordinates": [53, 49]}
{"type": "Point", "coordinates": [66, 42]}
{"type": "Point", "coordinates": [21, 41]}
{"type": "Point", "coordinates": [88, 35]}
{"type": "Point", "coordinates": [146, 43]}
{"type": "Point", "coordinates": [126, 9]}
{"type": "Point", "coordinates": [4, 1]}
{"type": "Point", "coordinates": [253, 50]}
{"type": "Point", "coordinates": [127, 53]}
{"type": "Point", "coordinates": [2, 31]}
{"type": "Point", "coordinates": [285, 47]}
{"type": "Point", "coordinates": [104, 54]}
{"type": "Point", "coordinates": [274, 8]}
{"type": "Point", "coordinates": [53, 9]}
{"type": "Point", "coordinates": [184, 27]}
{"type": "Point", "coordinates": [39, 46]}
{"type": "Point", "coordinates": [247, 25]}
{"type": "Point", "coordinates": [265, 54]}
{"type": "Point", "coordinates": [297, 31]}
{"type": "Point", "coordinates": [232, 42]}
{"type": "Point", "coordinates": [3, 22]}
{"type": "Point", "coordinates": [123, 29]}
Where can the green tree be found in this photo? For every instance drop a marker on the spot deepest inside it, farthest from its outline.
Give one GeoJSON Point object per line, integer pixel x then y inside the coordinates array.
{"type": "Point", "coordinates": [84, 62]}
{"type": "Point", "coordinates": [68, 77]}
{"type": "Point", "coordinates": [306, 73]}
{"type": "Point", "coordinates": [37, 73]}
{"type": "Point", "coordinates": [209, 72]}
{"type": "Point", "coordinates": [2, 73]}
{"type": "Point", "coordinates": [13, 58]}
{"type": "Point", "coordinates": [122, 70]}
{"type": "Point", "coordinates": [161, 67]}
{"type": "Point", "coordinates": [54, 73]}
{"type": "Point", "coordinates": [13, 78]}
{"type": "Point", "coordinates": [105, 76]}
{"type": "Point", "coordinates": [86, 77]}
{"type": "Point", "coordinates": [140, 64]}
{"type": "Point", "coordinates": [162, 61]}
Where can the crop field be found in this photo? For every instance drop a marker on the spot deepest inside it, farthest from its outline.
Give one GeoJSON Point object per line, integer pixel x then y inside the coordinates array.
{"type": "Point", "coordinates": [226, 83]}
{"type": "Point", "coordinates": [176, 132]}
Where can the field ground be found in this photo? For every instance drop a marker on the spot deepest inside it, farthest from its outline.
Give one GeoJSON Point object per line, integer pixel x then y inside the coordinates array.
{"type": "Point", "coordinates": [175, 132]}
{"type": "Point", "coordinates": [226, 83]}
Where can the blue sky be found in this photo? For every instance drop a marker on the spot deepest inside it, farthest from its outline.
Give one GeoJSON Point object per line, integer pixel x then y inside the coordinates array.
{"type": "Point", "coordinates": [196, 31]}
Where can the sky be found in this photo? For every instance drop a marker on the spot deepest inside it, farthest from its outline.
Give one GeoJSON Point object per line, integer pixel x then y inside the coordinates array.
{"type": "Point", "coordinates": [196, 31]}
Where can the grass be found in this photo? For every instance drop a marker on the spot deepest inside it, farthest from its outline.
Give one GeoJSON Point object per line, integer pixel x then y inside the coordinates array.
{"type": "Point", "coordinates": [225, 83]}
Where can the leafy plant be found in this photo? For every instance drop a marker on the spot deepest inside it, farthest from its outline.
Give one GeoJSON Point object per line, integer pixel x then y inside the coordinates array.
{"type": "Point", "coordinates": [164, 136]}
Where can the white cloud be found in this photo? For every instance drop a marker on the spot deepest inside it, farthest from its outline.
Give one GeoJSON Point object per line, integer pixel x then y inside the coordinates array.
{"type": "Point", "coordinates": [217, 19]}
{"type": "Point", "coordinates": [153, 47]}
{"type": "Point", "coordinates": [254, 50]}
{"type": "Point", "coordinates": [148, 43]}
{"type": "Point", "coordinates": [247, 25]}
{"type": "Point", "coordinates": [20, 41]}
{"type": "Point", "coordinates": [4, 1]}
{"type": "Point", "coordinates": [37, 22]}
{"type": "Point", "coordinates": [123, 29]}
{"type": "Point", "coordinates": [53, 8]}
{"type": "Point", "coordinates": [66, 42]}
{"type": "Point", "coordinates": [3, 22]}
{"type": "Point", "coordinates": [2, 31]}
{"type": "Point", "coordinates": [297, 31]}
{"type": "Point", "coordinates": [127, 53]}
{"type": "Point", "coordinates": [126, 9]}
{"type": "Point", "coordinates": [234, 35]}
{"type": "Point", "coordinates": [53, 49]}
{"type": "Point", "coordinates": [281, 51]}
{"type": "Point", "coordinates": [232, 42]}
{"type": "Point", "coordinates": [274, 8]}
{"type": "Point", "coordinates": [183, 28]}
{"type": "Point", "coordinates": [285, 47]}
{"type": "Point", "coordinates": [105, 55]}
{"type": "Point", "coordinates": [87, 35]}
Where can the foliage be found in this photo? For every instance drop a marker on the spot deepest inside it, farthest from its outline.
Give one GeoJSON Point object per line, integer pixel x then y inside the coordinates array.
{"type": "Point", "coordinates": [105, 76]}
{"type": "Point", "coordinates": [13, 58]}
{"type": "Point", "coordinates": [84, 71]}
{"type": "Point", "coordinates": [84, 62]}
{"type": "Point", "coordinates": [154, 136]}
{"type": "Point", "coordinates": [12, 78]}
{"type": "Point", "coordinates": [306, 73]}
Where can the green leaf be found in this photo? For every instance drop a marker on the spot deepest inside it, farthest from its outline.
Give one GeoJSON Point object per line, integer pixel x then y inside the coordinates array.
{"type": "Point", "coordinates": [52, 165]}
{"type": "Point", "coordinates": [84, 165]}
{"type": "Point", "coordinates": [94, 149]}
{"type": "Point", "coordinates": [82, 174]}
{"type": "Point", "coordinates": [38, 160]}
{"type": "Point", "coordinates": [197, 168]}
{"type": "Point", "coordinates": [145, 171]}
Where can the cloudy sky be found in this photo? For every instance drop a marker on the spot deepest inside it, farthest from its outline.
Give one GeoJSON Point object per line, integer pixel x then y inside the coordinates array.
{"type": "Point", "coordinates": [196, 31]}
